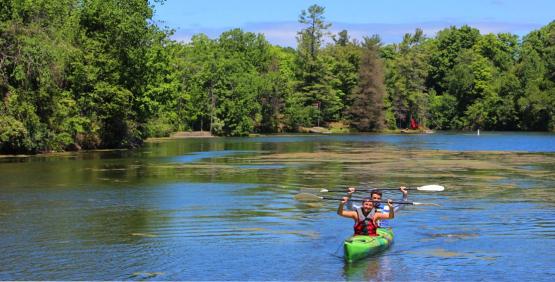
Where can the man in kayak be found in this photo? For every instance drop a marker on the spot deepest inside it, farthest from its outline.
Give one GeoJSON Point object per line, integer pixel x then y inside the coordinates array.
{"type": "Point", "coordinates": [377, 196]}
{"type": "Point", "coordinates": [366, 216]}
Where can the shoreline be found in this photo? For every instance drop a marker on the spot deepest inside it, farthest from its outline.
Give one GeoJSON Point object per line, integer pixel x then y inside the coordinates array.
{"type": "Point", "coordinates": [182, 135]}
{"type": "Point", "coordinates": [205, 134]}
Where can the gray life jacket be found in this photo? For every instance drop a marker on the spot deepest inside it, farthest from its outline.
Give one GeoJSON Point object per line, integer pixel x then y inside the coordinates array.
{"type": "Point", "coordinates": [365, 224]}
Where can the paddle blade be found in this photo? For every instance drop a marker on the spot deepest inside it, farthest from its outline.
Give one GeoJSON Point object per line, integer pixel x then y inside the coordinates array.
{"type": "Point", "coordinates": [431, 188]}
{"type": "Point", "coordinates": [324, 190]}
{"type": "Point", "coordinates": [307, 197]}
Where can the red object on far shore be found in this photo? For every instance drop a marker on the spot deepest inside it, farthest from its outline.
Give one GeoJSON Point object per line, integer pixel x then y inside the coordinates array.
{"type": "Point", "coordinates": [413, 124]}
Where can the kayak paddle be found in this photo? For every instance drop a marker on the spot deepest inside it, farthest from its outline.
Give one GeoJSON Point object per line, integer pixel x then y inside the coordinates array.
{"type": "Point", "coordinates": [426, 188]}
{"type": "Point", "coordinates": [307, 197]}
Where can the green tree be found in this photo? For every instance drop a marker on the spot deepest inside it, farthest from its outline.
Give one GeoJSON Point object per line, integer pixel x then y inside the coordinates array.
{"type": "Point", "coordinates": [245, 60]}
{"type": "Point", "coordinates": [446, 47]}
{"type": "Point", "coordinates": [537, 103]}
{"type": "Point", "coordinates": [35, 53]}
{"type": "Point", "coordinates": [443, 111]}
{"type": "Point", "coordinates": [199, 76]}
{"type": "Point", "coordinates": [501, 50]}
{"type": "Point", "coordinates": [110, 78]}
{"type": "Point", "coordinates": [277, 88]}
{"type": "Point", "coordinates": [471, 82]}
{"type": "Point", "coordinates": [160, 102]}
{"type": "Point", "coordinates": [344, 61]}
{"type": "Point", "coordinates": [311, 37]}
{"type": "Point", "coordinates": [406, 80]}
{"type": "Point", "coordinates": [314, 92]}
{"type": "Point", "coordinates": [367, 110]}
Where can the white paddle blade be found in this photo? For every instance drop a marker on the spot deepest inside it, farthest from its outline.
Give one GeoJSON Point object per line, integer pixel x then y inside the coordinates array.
{"type": "Point", "coordinates": [324, 190]}
{"type": "Point", "coordinates": [431, 188]}
{"type": "Point", "coordinates": [307, 197]}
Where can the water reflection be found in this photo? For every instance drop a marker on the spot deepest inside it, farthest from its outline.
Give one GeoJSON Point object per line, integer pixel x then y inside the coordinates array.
{"type": "Point", "coordinates": [379, 267]}
{"type": "Point", "coordinates": [196, 156]}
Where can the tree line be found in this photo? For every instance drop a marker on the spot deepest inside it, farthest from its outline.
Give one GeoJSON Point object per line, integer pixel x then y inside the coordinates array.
{"type": "Point", "coordinates": [84, 74]}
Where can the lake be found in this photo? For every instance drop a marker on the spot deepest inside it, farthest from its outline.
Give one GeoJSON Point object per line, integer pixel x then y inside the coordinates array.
{"type": "Point", "coordinates": [224, 209]}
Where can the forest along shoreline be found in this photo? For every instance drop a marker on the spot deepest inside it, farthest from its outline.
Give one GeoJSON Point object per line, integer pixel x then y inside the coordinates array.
{"type": "Point", "coordinates": [206, 134]}
{"type": "Point", "coordinates": [85, 75]}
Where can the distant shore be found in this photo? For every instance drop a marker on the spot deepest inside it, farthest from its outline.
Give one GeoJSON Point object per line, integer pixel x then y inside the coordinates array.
{"type": "Point", "coordinates": [183, 135]}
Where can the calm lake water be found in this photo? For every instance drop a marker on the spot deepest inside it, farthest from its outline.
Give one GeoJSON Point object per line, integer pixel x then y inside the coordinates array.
{"type": "Point", "coordinates": [224, 209]}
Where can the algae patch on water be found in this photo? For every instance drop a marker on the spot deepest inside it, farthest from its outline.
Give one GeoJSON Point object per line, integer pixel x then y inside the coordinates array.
{"type": "Point", "coordinates": [437, 253]}
{"type": "Point", "coordinates": [145, 275]}
{"type": "Point", "coordinates": [149, 235]}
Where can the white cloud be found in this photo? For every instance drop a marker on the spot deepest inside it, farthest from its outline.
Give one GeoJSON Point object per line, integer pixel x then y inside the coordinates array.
{"type": "Point", "coordinates": [284, 33]}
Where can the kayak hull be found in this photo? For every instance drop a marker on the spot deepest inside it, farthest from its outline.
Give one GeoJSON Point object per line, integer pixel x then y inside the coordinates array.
{"type": "Point", "coordinates": [361, 246]}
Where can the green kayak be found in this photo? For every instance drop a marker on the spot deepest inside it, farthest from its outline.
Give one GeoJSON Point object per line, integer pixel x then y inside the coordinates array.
{"type": "Point", "coordinates": [361, 246]}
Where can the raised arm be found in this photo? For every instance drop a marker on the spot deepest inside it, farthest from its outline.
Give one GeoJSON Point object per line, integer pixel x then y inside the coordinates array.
{"type": "Point", "coordinates": [349, 203]}
{"type": "Point", "coordinates": [389, 215]}
{"type": "Point", "coordinates": [403, 190]}
{"type": "Point", "coordinates": [344, 213]}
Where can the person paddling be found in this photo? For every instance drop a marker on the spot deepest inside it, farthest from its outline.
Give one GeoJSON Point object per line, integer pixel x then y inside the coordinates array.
{"type": "Point", "coordinates": [366, 216]}
{"type": "Point", "coordinates": [376, 195]}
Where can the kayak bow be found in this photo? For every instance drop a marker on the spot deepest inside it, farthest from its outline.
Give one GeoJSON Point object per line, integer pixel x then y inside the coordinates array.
{"type": "Point", "coordinates": [361, 246]}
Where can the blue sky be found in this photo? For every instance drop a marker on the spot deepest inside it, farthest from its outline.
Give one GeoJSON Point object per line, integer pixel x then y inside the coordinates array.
{"type": "Point", "coordinates": [278, 20]}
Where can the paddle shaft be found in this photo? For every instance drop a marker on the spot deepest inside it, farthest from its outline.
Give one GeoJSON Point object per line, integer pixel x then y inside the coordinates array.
{"type": "Point", "coordinates": [425, 188]}
{"type": "Point", "coordinates": [311, 198]}
{"type": "Point", "coordinates": [384, 202]}
{"type": "Point", "coordinates": [408, 189]}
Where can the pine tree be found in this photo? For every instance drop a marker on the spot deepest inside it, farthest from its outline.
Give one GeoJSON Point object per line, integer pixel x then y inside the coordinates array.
{"type": "Point", "coordinates": [367, 111]}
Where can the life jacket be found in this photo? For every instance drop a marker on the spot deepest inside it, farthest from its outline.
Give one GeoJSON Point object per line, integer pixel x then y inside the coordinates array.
{"type": "Point", "coordinates": [365, 224]}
